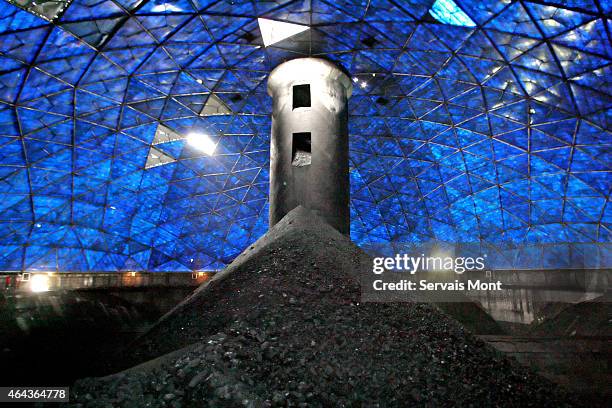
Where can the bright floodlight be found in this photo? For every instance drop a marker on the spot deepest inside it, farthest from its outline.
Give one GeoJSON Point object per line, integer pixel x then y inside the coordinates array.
{"type": "Point", "coordinates": [275, 31]}
{"type": "Point", "coordinates": [39, 283]}
{"type": "Point", "coordinates": [202, 142]}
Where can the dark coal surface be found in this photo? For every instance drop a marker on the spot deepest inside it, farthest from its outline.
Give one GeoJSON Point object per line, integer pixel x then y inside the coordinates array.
{"type": "Point", "coordinates": [53, 338]}
{"type": "Point", "coordinates": [584, 319]}
{"type": "Point", "coordinates": [284, 326]}
{"type": "Point", "coordinates": [472, 316]}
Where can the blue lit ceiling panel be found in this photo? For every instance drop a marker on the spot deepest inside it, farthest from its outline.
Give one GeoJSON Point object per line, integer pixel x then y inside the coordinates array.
{"type": "Point", "coordinates": [471, 121]}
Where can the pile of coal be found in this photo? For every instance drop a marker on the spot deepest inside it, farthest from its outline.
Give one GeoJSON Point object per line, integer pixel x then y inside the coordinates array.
{"type": "Point", "coordinates": [283, 326]}
{"type": "Point", "coordinates": [584, 319]}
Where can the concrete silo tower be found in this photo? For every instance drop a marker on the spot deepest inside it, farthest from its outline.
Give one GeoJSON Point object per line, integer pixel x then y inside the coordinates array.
{"type": "Point", "coordinates": [309, 145]}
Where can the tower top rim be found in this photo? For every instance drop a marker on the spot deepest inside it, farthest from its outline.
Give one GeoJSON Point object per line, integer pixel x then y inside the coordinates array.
{"type": "Point", "coordinates": [307, 69]}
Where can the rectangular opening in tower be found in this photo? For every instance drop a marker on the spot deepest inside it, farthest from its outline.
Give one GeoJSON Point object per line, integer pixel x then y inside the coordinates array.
{"type": "Point", "coordinates": [301, 149]}
{"type": "Point", "coordinates": [301, 96]}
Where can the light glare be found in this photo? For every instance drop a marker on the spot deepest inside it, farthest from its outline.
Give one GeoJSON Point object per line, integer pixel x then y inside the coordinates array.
{"type": "Point", "coordinates": [39, 283]}
{"type": "Point", "coordinates": [202, 142]}
{"type": "Point", "coordinates": [165, 7]}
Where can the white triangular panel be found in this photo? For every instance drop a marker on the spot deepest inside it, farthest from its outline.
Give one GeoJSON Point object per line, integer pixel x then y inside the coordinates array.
{"type": "Point", "coordinates": [157, 158]}
{"type": "Point", "coordinates": [275, 31]}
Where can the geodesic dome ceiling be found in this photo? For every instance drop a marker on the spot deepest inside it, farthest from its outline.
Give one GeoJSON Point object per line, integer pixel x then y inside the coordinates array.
{"type": "Point", "coordinates": [471, 121]}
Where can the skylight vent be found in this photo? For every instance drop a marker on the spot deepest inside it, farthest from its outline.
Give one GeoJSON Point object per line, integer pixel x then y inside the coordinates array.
{"type": "Point", "coordinates": [369, 41]}
{"type": "Point", "coordinates": [248, 37]}
{"type": "Point", "coordinates": [47, 9]}
{"type": "Point", "coordinates": [447, 12]}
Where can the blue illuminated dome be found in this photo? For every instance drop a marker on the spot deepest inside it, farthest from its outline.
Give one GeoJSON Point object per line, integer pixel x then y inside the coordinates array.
{"type": "Point", "coordinates": [135, 133]}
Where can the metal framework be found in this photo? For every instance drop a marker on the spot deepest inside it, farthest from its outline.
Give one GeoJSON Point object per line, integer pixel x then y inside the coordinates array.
{"type": "Point", "coordinates": [480, 122]}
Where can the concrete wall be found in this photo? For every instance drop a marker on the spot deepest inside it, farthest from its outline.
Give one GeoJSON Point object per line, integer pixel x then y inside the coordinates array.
{"type": "Point", "coordinates": [323, 185]}
{"type": "Point", "coordinates": [558, 279]}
